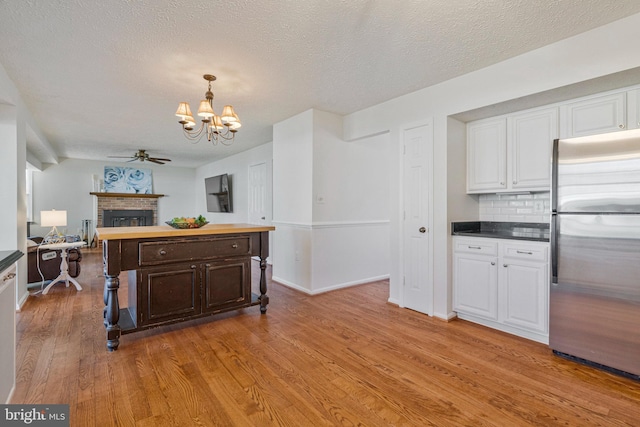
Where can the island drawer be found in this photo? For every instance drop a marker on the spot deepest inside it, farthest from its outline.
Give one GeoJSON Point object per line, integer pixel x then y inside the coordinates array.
{"type": "Point", "coordinates": [160, 252]}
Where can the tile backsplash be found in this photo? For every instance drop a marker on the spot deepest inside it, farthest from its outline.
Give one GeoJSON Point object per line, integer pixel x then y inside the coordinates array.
{"type": "Point", "coordinates": [534, 207]}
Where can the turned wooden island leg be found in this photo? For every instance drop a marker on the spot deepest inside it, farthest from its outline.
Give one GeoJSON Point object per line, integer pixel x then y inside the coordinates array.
{"type": "Point", "coordinates": [111, 259]}
{"type": "Point", "coordinates": [264, 253]}
{"type": "Point", "coordinates": [112, 311]}
{"type": "Point", "coordinates": [264, 299]}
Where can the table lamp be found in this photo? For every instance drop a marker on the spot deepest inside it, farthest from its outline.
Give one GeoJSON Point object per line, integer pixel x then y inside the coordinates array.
{"type": "Point", "coordinates": [53, 218]}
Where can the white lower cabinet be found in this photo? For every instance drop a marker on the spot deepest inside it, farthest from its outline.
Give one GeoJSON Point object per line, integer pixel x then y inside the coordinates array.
{"type": "Point", "coordinates": [503, 284]}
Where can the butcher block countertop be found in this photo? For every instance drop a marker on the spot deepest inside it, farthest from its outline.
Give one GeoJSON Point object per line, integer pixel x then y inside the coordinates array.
{"type": "Point", "coordinates": [122, 233]}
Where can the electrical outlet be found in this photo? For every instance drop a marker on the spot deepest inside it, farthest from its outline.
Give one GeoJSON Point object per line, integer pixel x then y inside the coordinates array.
{"type": "Point", "coordinates": [49, 255]}
{"type": "Point", "coordinates": [538, 206]}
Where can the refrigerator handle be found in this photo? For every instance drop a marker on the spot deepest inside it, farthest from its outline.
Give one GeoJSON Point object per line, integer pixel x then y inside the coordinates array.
{"type": "Point", "coordinates": [554, 177]}
{"type": "Point", "coordinates": [554, 248]}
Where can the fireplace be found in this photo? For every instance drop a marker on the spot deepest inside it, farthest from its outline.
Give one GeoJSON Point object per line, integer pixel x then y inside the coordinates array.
{"type": "Point", "coordinates": [126, 218]}
{"type": "Point", "coordinates": [127, 205]}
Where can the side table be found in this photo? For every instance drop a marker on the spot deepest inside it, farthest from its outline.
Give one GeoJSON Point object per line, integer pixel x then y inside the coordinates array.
{"type": "Point", "coordinates": [64, 266]}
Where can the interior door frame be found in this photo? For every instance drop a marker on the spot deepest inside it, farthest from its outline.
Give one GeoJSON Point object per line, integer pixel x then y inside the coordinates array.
{"type": "Point", "coordinates": [408, 126]}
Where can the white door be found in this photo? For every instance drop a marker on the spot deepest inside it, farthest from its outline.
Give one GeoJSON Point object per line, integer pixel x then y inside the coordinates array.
{"type": "Point", "coordinates": [417, 293]}
{"type": "Point", "coordinates": [258, 193]}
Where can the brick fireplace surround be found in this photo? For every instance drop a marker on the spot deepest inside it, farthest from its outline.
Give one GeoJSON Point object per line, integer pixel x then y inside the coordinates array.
{"type": "Point", "coordinates": [125, 201]}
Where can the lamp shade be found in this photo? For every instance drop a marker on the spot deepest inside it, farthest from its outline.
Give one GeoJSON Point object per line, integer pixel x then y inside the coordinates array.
{"type": "Point", "coordinates": [228, 115]}
{"type": "Point", "coordinates": [189, 122]}
{"type": "Point", "coordinates": [53, 218]}
{"type": "Point", "coordinates": [183, 110]}
{"type": "Point", "coordinates": [216, 124]}
{"type": "Point", "coordinates": [205, 109]}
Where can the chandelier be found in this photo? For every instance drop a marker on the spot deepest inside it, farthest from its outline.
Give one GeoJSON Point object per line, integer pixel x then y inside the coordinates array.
{"type": "Point", "coordinates": [220, 128]}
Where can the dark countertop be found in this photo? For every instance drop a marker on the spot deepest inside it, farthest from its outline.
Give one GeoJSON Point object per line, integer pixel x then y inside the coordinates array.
{"type": "Point", "coordinates": [8, 257]}
{"type": "Point", "coordinates": [533, 231]}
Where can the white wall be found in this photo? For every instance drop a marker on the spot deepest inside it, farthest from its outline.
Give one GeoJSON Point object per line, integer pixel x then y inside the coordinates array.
{"type": "Point", "coordinates": [66, 186]}
{"type": "Point", "coordinates": [16, 123]}
{"type": "Point", "coordinates": [334, 231]}
{"type": "Point", "coordinates": [293, 169]}
{"type": "Point", "coordinates": [590, 55]}
{"type": "Point", "coordinates": [238, 167]}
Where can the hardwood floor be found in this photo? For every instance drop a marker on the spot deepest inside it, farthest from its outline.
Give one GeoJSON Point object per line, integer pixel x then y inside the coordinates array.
{"type": "Point", "coordinates": [346, 357]}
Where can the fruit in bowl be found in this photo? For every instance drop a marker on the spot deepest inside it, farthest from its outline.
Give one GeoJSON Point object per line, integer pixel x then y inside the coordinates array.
{"type": "Point", "coordinates": [188, 222]}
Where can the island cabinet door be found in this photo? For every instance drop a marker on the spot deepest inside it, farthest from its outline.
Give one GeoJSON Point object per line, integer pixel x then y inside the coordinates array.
{"type": "Point", "coordinates": [169, 293]}
{"type": "Point", "coordinates": [227, 284]}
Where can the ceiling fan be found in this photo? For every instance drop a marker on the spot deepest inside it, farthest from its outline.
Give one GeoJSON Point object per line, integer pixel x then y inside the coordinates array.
{"type": "Point", "coordinates": [142, 156]}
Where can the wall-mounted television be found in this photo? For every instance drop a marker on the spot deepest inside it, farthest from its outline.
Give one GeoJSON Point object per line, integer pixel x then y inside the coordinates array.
{"type": "Point", "coordinates": [219, 196]}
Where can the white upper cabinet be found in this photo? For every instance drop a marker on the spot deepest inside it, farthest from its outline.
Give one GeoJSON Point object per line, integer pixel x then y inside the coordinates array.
{"type": "Point", "coordinates": [486, 155]}
{"type": "Point", "coordinates": [593, 115]}
{"type": "Point", "coordinates": [633, 109]}
{"type": "Point", "coordinates": [511, 153]}
{"type": "Point", "coordinates": [530, 139]}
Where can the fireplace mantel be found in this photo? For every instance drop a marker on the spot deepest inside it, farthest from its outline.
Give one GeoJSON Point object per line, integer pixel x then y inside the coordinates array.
{"type": "Point", "coordinates": [142, 196]}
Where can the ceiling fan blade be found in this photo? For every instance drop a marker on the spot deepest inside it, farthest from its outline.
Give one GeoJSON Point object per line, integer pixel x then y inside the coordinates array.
{"type": "Point", "coordinates": [119, 157]}
{"type": "Point", "coordinates": [151, 159]}
{"type": "Point", "coordinates": [159, 158]}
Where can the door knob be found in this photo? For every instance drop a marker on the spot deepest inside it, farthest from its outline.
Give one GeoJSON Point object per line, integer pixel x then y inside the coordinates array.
{"type": "Point", "coordinates": [422, 230]}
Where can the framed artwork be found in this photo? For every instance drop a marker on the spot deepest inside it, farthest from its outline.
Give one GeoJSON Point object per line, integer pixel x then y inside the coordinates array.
{"type": "Point", "coordinates": [127, 180]}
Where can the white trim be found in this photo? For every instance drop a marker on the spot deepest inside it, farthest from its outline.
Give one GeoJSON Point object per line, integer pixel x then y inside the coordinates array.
{"type": "Point", "coordinates": [534, 336]}
{"type": "Point", "coordinates": [371, 135]}
{"type": "Point", "coordinates": [329, 288]}
{"type": "Point", "coordinates": [21, 301]}
{"type": "Point", "coordinates": [291, 224]}
{"type": "Point", "coordinates": [333, 224]}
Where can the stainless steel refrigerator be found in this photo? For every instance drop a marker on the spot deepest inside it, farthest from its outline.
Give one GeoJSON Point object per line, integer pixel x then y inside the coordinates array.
{"type": "Point", "coordinates": [595, 244]}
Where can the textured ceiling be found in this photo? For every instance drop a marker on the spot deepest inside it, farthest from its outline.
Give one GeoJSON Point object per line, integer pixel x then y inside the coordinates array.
{"type": "Point", "coordinates": [105, 77]}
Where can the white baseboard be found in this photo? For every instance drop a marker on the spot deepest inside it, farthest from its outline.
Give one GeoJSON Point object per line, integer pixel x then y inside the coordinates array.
{"type": "Point", "coordinates": [328, 288]}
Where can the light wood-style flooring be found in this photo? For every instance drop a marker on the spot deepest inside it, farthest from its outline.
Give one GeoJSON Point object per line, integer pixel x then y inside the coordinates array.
{"type": "Point", "coordinates": [343, 358]}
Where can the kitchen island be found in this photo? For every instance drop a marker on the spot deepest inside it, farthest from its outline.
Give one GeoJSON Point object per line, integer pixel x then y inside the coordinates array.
{"type": "Point", "coordinates": [180, 274]}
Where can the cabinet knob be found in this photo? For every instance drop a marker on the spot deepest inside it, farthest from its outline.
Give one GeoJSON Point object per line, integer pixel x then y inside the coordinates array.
{"type": "Point", "coordinates": [505, 265]}
{"type": "Point", "coordinates": [193, 267]}
{"type": "Point", "coordinates": [515, 182]}
{"type": "Point", "coordinates": [234, 246]}
{"type": "Point", "coordinates": [493, 263]}
{"type": "Point", "coordinates": [502, 183]}
{"type": "Point", "coordinates": [621, 126]}
{"type": "Point", "coordinates": [163, 252]}
{"type": "Point", "coordinates": [422, 230]}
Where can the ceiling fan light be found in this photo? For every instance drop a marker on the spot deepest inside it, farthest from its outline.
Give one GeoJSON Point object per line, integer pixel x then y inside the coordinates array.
{"type": "Point", "coordinates": [228, 115]}
{"type": "Point", "coordinates": [205, 109]}
{"type": "Point", "coordinates": [183, 110]}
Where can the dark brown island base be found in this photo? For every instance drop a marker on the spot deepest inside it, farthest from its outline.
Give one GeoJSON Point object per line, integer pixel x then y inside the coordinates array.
{"type": "Point", "coordinates": [180, 274]}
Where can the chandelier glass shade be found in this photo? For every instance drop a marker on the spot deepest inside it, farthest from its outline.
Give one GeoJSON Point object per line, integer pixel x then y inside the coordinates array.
{"type": "Point", "coordinates": [218, 128]}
